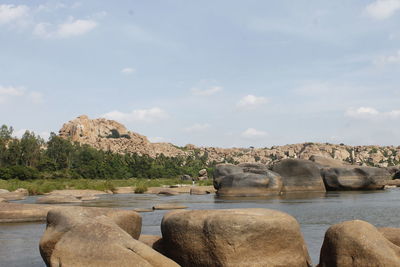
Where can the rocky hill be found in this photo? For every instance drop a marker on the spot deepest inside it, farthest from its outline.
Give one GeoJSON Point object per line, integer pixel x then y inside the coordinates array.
{"type": "Point", "coordinates": [110, 135]}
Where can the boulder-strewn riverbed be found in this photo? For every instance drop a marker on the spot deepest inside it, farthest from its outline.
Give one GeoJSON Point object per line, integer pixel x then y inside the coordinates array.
{"type": "Point", "coordinates": [315, 213]}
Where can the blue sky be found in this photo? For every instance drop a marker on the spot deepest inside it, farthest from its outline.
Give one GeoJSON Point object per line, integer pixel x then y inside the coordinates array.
{"type": "Point", "coordinates": [212, 73]}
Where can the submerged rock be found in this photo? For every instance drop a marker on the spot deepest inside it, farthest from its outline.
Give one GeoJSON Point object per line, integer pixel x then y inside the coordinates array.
{"type": "Point", "coordinates": [357, 243]}
{"type": "Point", "coordinates": [299, 175]}
{"type": "Point", "coordinates": [168, 207]}
{"type": "Point", "coordinates": [356, 178]}
{"type": "Point", "coordinates": [57, 199]}
{"type": "Point", "coordinates": [250, 179]}
{"type": "Point", "coordinates": [236, 237]}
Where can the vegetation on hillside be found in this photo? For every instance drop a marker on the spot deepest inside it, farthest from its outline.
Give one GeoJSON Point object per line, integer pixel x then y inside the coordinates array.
{"type": "Point", "coordinates": [32, 158]}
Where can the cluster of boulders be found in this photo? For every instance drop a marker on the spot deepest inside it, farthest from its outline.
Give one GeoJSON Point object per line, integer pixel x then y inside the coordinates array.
{"type": "Point", "coordinates": [237, 237]}
{"type": "Point", "coordinates": [111, 135]}
{"type": "Point", "coordinates": [318, 174]}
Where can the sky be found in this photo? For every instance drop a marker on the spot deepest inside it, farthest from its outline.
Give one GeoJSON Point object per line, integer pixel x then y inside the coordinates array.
{"type": "Point", "coordinates": [209, 73]}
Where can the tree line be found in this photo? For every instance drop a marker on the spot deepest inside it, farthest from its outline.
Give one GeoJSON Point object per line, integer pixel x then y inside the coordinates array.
{"type": "Point", "coordinates": [31, 157]}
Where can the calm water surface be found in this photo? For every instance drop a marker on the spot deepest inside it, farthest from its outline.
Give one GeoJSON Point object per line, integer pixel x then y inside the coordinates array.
{"type": "Point", "coordinates": [315, 213]}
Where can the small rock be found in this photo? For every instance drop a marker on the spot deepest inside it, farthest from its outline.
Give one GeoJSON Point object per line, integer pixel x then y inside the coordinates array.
{"type": "Point", "coordinates": [186, 178]}
{"type": "Point", "coordinates": [168, 207]}
{"type": "Point", "coordinates": [3, 200]}
{"type": "Point", "coordinates": [167, 192]}
{"type": "Point", "coordinates": [198, 191]}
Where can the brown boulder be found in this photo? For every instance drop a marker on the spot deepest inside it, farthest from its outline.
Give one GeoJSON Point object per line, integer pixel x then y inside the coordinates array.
{"type": "Point", "coordinates": [357, 243]}
{"type": "Point", "coordinates": [391, 234]}
{"type": "Point", "coordinates": [169, 206]}
{"type": "Point", "coordinates": [237, 237]}
{"type": "Point", "coordinates": [327, 162]}
{"type": "Point", "coordinates": [81, 238]}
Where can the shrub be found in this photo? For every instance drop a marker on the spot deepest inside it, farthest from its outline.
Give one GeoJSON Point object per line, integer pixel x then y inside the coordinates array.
{"type": "Point", "coordinates": [140, 189]}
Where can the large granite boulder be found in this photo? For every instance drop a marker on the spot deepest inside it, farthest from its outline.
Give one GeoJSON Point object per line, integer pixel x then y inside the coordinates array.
{"type": "Point", "coordinates": [236, 237]}
{"type": "Point", "coordinates": [248, 179]}
{"type": "Point", "coordinates": [327, 162]}
{"type": "Point", "coordinates": [357, 243]}
{"type": "Point", "coordinates": [299, 175]}
{"type": "Point", "coordinates": [355, 178]}
{"type": "Point", "coordinates": [391, 234]}
{"type": "Point", "coordinates": [96, 237]}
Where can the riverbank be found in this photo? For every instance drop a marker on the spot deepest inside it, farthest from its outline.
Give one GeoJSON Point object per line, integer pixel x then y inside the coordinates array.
{"type": "Point", "coordinates": [43, 186]}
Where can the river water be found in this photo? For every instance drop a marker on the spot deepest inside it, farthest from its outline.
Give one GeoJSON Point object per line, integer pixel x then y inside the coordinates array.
{"type": "Point", "coordinates": [315, 213]}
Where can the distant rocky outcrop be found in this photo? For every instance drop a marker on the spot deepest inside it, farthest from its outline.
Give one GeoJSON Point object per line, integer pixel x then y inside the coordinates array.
{"type": "Point", "coordinates": [113, 136]}
{"type": "Point", "coordinates": [110, 135]}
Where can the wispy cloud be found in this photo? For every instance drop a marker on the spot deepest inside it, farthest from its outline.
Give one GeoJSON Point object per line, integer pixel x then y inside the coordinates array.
{"type": "Point", "coordinates": [206, 92]}
{"type": "Point", "coordinates": [369, 113]}
{"type": "Point", "coordinates": [198, 127]}
{"type": "Point", "coordinates": [138, 115]}
{"type": "Point", "coordinates": [251, 102]}
{"type": "Point", "coordinates": [388, 59]}
{"type": "Point", "coordinates": [382, 9]}
{"type": "Point", "coordinates": [128, 71]}
{"type": "Point", "coordinates": [71, 28]}
{"type": "Point", "coordinates": [9, 92]}
{"type": "Point", "coordinates": [252, 133]}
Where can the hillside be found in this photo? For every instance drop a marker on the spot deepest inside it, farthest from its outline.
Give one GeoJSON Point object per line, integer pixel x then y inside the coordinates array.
{"type": "Point", "coordinates": [111, 135]}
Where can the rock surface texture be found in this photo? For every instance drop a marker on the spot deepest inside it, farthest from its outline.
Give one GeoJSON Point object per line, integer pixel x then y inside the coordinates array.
{"type": "Point", "coordinates": [96, 237]}
{"type": "Point", "coordinates": [299, 175]}
{"type": "Point", "coordinates": [355, 178]}
{"type": "Point", "coordinates": [357, 243]}
{"type": "Point", "coordinates": [250, 179]}
{"type": "Point", "coordinates": [237, 237]}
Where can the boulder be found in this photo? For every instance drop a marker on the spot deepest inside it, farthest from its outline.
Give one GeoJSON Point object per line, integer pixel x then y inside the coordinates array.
{"type": "Point", "coordinates": [85, 238]}
{"type": "Point", "coordinates": [153, 241]}
{"type": "Point", "coordinates": [236, 237]}
{"type": "Point", "coordinates": [299, 175]}
{"type": "Point", "coordinates": [327, 162]}
{"type": "Point", "coordinates": [3, 200]}
{"type": "Point", "coordinates": [357, 178]}
{"type": "Point", "coordinates": [15, 212]}
{"type": "Point", "coordinates": [391, 234]}
{"type": "Point", "coordinates": [168, 192]}
{"type": "Point", "coordinates": [249, 179]}
{"type": "Point", "coordinates": [22, 191]}
{"type": "Point", "coordinates": [357, 243]}
{"type": "Point", "coordinates": [57, 199]}
{"type": "Point", "coordinates": [2, 191]}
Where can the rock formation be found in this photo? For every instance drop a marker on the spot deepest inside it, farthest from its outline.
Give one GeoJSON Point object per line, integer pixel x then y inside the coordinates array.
{"type": "Point", "coordinates": [357, 243]}
{"type": "Point", "coordinates": [235, 237]}
{"type": "Point", "coordinates": [252, 179]}
{"type": "Point", "coordinates": [355, 178]}
{"type": "Point", "coordinates": [96, 237]}
{"type": "Point", "coordinates": [110, 135]}
{"type": "Point", "coordinates": [299, 175]}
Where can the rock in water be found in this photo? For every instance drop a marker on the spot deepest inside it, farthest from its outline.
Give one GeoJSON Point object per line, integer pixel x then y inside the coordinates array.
{"type": "Point", "coordinates": [299, 175]}
{"type": "Point", "coordinates": [357, 243]}
{"type": "Point", "coordinates": [248, 179]}
{"type": "Point", "coordinates": [96, 237]}
{"type": "Point", "coordinates": [236, 237]}
{"type": "Point", "coordinates": [355, 178]}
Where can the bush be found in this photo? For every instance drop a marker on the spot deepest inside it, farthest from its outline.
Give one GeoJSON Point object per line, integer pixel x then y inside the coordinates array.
{"type": "Point", "coordinates": [140, 189]}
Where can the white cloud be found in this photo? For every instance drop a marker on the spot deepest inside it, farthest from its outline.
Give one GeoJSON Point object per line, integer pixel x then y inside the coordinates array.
{"type": "Point", "coordinates": [71, 28]}
{"type": "Point", "coordinates": [139, 115]}
{"type": "Point", "coordinates": [128, 71]}
{"type": "Point", "coordinates": [252, 133]}
{"type": "Point", "coordinates": [382, 9]}
{"type": "Point", "coordinates": [10, 13]}
{"type": "Point", "coordinates": [198, 127]}
{"type": "Point", "coordinates": [369, 113]}
{"type": "Point", "coordinates": [156, 139]}
{"type": "Point", "coordinates": [390, 59]}
{"type": "Point", "coordinates": [206, 92]}
{"type": "Point", "coordinates": [252, 101]}
{"type": "Point", "coordinates": [8, 92]}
